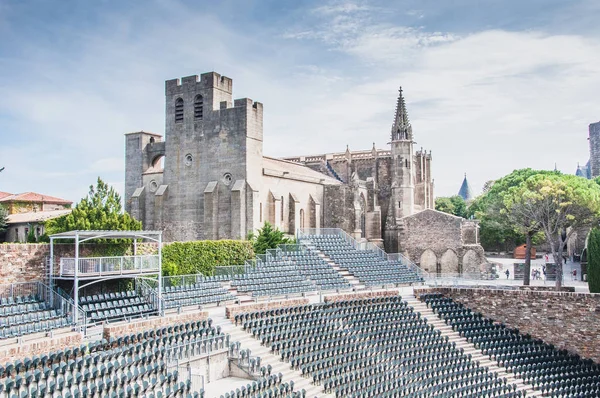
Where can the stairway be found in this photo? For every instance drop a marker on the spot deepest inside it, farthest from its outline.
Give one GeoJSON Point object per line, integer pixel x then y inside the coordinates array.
{"type": "Point", "coordinates": [267, 358]}
{"type": "Point", "coordinates": [469, 348]}
{"type": "Point", "coordinates": [354, 281]}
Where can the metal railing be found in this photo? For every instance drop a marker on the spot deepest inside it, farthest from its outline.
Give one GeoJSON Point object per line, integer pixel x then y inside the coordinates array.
{"type": "Point", "coordinates": [307, 232]}
{"type": "Point", "coordinates": [58, 302]}
{"type": "Point", "coordinates": [99, 266]}
{"type": "Point", "coordinates": [149, 291]}
{"type": "Point", "coordinates": [13, 290]}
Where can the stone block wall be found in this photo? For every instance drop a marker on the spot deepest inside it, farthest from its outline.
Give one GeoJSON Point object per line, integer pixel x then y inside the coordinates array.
{"type": "Point", "coordinates": [232, 310]}
{"type": "Point", "coordinates": [131, 327]}
{"type": "Point", "coordinates": [567, 320]}
{"type": "Point", "coordinates": [39, 346]}
{"type": "Point", "coordinates": [354, 296]}
{"type": "Point", "coordinates": [22, 262]}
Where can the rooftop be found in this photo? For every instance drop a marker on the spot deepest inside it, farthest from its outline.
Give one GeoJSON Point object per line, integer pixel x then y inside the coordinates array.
{"type": "Point", "coordinates": [36, 216]}
{"type": "Point", "coordinates": [32, 197]}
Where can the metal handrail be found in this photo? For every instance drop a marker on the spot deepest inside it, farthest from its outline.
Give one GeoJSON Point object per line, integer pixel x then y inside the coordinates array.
{"type": "Point", "coordinates": [109, 265]}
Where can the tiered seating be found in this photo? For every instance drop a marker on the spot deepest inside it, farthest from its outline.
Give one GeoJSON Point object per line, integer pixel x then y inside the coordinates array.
{"type": "Point", "coordinates": [131, 366]}
{"type": "Point", "coordinates": [366, 265]}
{"type": "Point", "coordinates": [115, 306]}
{"type": "Point", "coordinates": [376, 347]}
{"type": "Point", "coordinates": [273, 278]}
{"type": "Point", "coordinates": [316, 268]}
{"type": "Point", "coordinates": [204, 291]}
{"type": "Point", "coordinates": [554, 372]}
{"type": "Point", "coordinates": [23, 315]}
{"type": "Point", "coordinates": [267, 387]}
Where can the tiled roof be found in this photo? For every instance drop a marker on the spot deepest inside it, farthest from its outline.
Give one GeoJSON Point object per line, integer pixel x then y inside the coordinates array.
{"type": "Point", "coordinates": [34, 197]}
{"type": "Point", "coordinates": [36, 216]}
{"type": "Point", "coordinates": [4, 194]}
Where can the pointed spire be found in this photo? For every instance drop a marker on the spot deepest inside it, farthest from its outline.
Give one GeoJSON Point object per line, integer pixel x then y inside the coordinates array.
{"type": "Point", "coordinates": [401, 129]}
{"type": "Point", "coordinates": [465, 190]}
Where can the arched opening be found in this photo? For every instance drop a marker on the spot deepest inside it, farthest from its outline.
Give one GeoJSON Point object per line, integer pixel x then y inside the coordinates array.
{"type": "Point", "coordinates": [157, 165]}
{"type": "Point", "coordinates": [179, 110]}
{"type": "Point", "coordinates": [428, 261]}
{"type": "Point", "coordinates": [198, 107]}
{"type": "Point", "coordinates": [302, 218]}
{"type": "Point", "coordinates": [449, 262]}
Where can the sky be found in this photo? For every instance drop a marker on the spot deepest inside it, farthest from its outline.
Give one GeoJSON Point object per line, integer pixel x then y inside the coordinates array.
{"type": "Point", "coordinates": [490, 85]}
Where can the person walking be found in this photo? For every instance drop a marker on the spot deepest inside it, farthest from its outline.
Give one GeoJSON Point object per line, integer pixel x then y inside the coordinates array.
{"type": "Point", "coordinates": [507, 273]}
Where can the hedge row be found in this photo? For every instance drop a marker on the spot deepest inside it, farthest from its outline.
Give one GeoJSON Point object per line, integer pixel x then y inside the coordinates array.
{"type": "Point", "coordinates": [182, 258]}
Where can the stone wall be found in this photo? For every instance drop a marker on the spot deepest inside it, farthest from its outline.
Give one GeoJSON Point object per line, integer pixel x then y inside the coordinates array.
{"type": "Point", "coordinates": [570, 321]}
{"type": "Point", "coordinates": [232, 310]}
{"type": "Point", "coordinates": [435, 241]}
{"type": "Point", "coordinates": [25, 262]}
{"type": "Point", "coordinates": [364, 295]}
{"type": "Point", "coordinates": [136, 326]}
{"type": "Point", "coordinates": [37, 345]}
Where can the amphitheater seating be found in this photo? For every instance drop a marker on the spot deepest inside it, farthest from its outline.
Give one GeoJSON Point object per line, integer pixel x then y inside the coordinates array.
{"type": "Point", "coordinates": [23, 315]}
{"type": "Point", "coordinates": [314, 267]}
{"type": "Point", "coordinates": [204, 291]}
{"type": "Point", "coordinates": [366, 265]}
{"type": "Point", "coordinates": [115, 306]}
{"type": "Point", "coordinates": [377, 347]}
{"type": "Point", "coordinates": [555, 373]}
{"type": "Point", "coordinates": [270, 386]}
{"type": "Point", "coordinates": [273, 278]}
{"type": "Point", "coordinates": [130, 366]}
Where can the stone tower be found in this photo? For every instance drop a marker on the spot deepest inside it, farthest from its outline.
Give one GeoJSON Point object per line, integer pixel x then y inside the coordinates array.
{"type": "Point", "coordinates": [594, 139]}
{"type": "Point", "coordinates": [213, 154]}
{"type": "Point", "coordinates": [403, 185]}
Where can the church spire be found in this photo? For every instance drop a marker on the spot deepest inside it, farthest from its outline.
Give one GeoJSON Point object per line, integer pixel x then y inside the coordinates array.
{"type": "Point", "coordinates": [401, 129]}
{"type": "Point", "coordinates": [465, 190]}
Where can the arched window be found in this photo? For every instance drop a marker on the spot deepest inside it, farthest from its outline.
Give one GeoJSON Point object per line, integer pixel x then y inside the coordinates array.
{"type": "Point", "coordinates": [178, 110]}
{"type": "Point", "coordinates": [282, 209]}
{"type": "Point", "coordinates": [198, 107]}
{"type": "Point", "coordinates": [302, 218]}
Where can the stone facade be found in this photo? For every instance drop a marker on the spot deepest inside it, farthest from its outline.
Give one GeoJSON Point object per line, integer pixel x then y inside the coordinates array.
{"type": "Point", "coordinates": [208, 179]}
{"type": "Point", "coordinates": [570, 321]}
{"type": "Point", "coordinates": [38, 345]}
{"type": "Point", "coordinates": [442, 243]}
{"type": "Point", "coordinates": [23, 262]}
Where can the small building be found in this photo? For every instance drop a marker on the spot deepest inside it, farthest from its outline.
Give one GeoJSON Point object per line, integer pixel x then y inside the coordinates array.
{"type": "Point", "coordinates": [29, 211]}
{"type": "Point", "coordinates": [520, 251]}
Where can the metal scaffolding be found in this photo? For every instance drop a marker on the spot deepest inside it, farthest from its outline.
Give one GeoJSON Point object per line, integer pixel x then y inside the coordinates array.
{"type": "Point", "coordinates": [97, 269]}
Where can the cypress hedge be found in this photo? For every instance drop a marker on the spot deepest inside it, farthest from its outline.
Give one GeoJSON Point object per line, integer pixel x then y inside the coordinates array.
{"type": "Point", "coordinates": [201, 257]}
{"type": "Point", "coordinates": [593, 257]}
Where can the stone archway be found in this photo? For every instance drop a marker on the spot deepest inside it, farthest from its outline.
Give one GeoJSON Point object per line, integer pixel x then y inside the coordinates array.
{"type": "Point", "coordinates": [428, 261]}
{"type": "Point", "coordinates": [449, 262]}
{"type": "Point", "coordinates": [471, 262]}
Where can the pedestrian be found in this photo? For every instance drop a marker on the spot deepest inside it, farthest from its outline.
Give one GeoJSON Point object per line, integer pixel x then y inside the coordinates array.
{"type": "Point", "coordinates": [507, 273]}
{"type": "Point", "coordinates": [574, 274]}
{"type": "Point", "coordinates": [546, 257]}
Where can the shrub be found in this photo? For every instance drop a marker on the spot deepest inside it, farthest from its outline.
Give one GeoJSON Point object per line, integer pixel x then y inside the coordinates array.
{"type": "Point", "coordinates": [268, 238]}
{"type": "Point", "coordinates": [182, 258]}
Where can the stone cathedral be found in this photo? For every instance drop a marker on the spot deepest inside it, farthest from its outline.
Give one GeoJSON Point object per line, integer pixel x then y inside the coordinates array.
{"type": "Point", "coordinates": [207, 177]}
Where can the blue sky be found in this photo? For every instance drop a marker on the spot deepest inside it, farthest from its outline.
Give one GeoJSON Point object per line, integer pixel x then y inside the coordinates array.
{"type": "Point", "coordinates": [490, 85]}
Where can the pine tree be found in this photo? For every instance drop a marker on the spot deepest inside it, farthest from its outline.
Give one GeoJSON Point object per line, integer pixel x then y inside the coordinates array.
{"type": "Point", "coordinates": [267, 238]}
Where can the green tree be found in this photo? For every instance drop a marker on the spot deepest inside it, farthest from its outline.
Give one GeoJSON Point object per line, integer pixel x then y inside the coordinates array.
{"type": "Point", "coordinates": [267, 238]}
{"type": "Point", "coordinates": [454, 205]}
{"type": "Point", "coordinates": [31, 236]}
{"type": "Point", "coordinates": [3, 218]}
{"type": "Point", "coordinates": [593, 257]}
{"type": "Point", "coordinates": [558, 205]}
{"type": "Point", "coordinates": [101, 209]}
